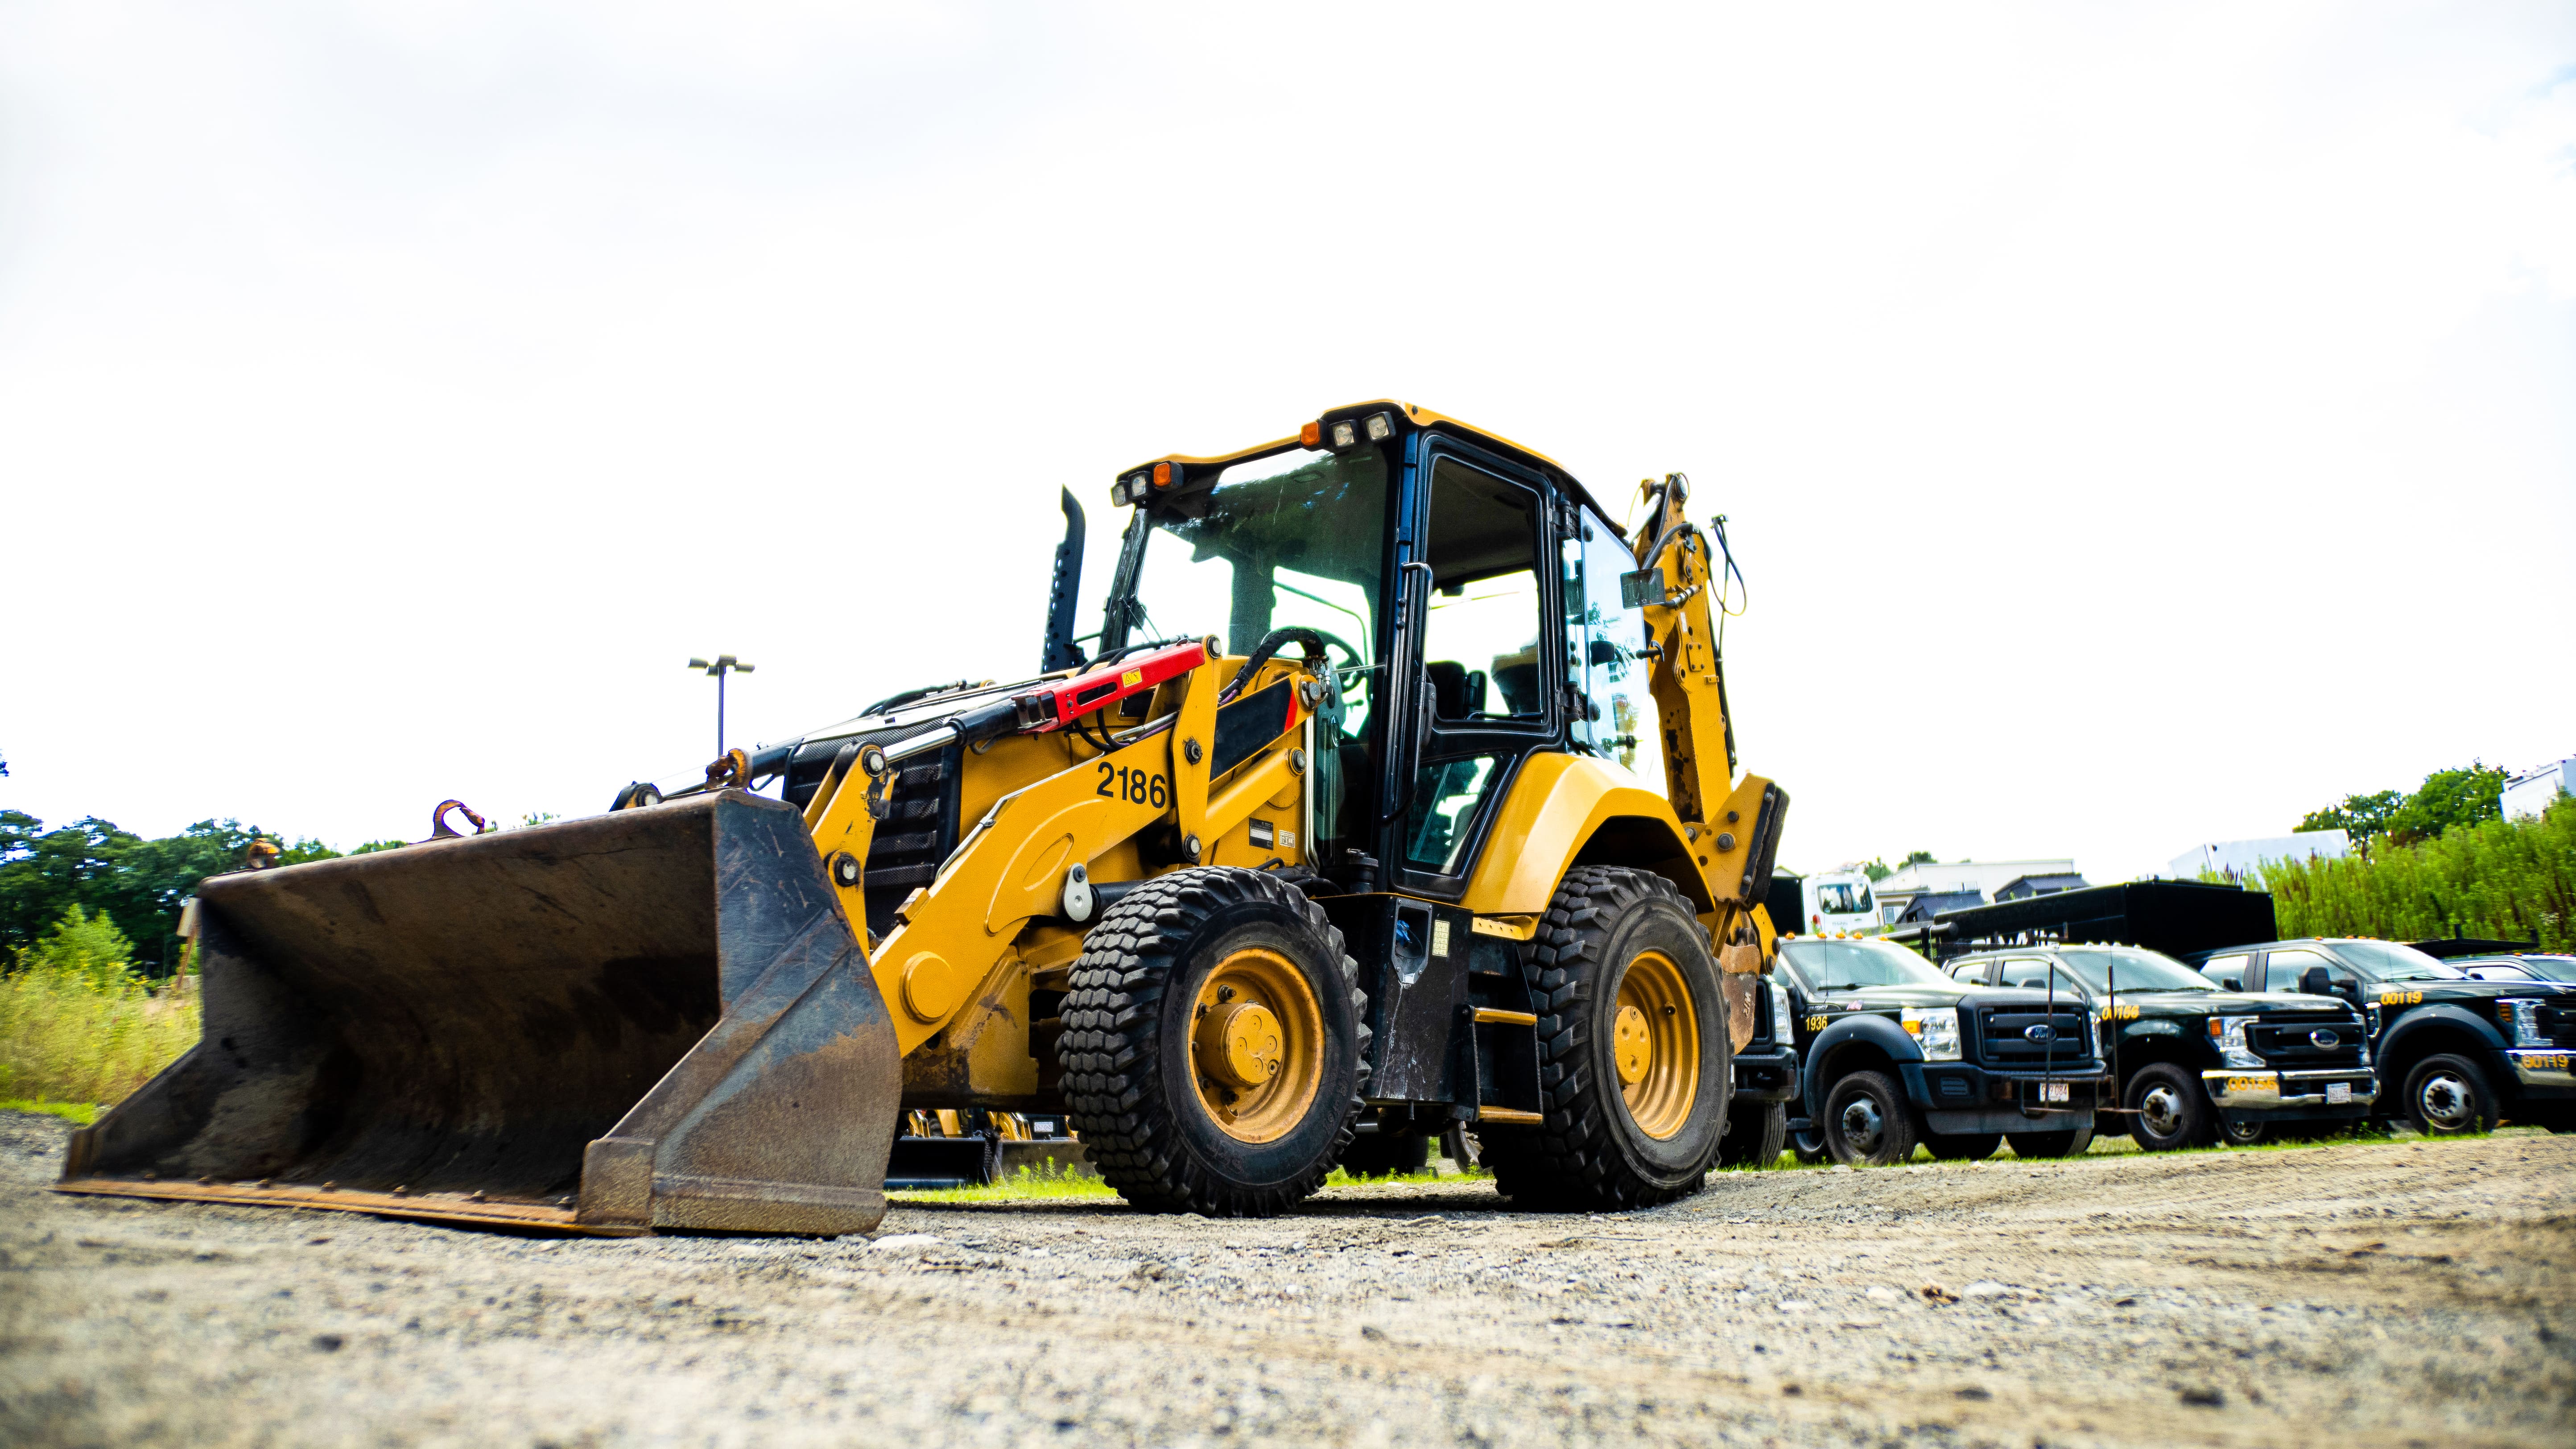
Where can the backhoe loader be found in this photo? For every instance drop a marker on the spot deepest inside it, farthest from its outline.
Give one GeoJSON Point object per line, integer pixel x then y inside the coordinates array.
{"type": "Point", "coordinates": [1392, 786]}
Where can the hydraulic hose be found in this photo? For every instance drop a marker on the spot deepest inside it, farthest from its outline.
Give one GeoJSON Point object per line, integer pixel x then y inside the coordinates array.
{"type": "Point", "coordinates": [1271, 643]}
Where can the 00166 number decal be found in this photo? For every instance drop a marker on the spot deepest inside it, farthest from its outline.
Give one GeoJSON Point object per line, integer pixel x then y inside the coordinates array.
{"type": "Point", "coordinates": [1136, 787]}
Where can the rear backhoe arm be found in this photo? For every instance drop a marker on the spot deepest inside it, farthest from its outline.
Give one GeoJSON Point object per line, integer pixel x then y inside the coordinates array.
{"type": "Point", "coordinates": [1013, 864]}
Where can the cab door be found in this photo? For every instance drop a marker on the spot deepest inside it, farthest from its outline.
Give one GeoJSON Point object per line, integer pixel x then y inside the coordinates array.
{"type": "Point", "coordinates": [1482, 656]}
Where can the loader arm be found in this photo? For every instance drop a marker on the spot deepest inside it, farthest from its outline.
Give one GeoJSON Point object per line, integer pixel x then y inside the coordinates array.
{"type": "Point", "coordinates": [1012, 865]}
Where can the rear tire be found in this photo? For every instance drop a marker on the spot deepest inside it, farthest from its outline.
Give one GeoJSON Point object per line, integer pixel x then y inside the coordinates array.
{"type": "Point", "coordinates": [1386, 1154]}
{"type": "Point", "coordinates": [2036, 1145]}
{"type": "Point", "coordinates": [1808, 1148]}
{"type": "Point", "coordinates": [2242, 1132]}
{"type": "Point", "coordinates": [1868, 1122]}
{"type": "Point", "coordinates": [2172, 1111]}
{"type": "Point", "coordinates": [1635, 1067]}
{"type": "Point", "coordinates": [1756, 1134]}
{"type": "Point", "coordinates": [1962, 1146]}
{"type": "Point", "coordinates": [2448, 1096]}
{"type": "Point", "coordinates": [1149, 1109]}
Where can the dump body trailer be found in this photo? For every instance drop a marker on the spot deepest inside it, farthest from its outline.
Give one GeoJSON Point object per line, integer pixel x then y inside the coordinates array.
{"type": "Point", "coordinates": [1443, 827]}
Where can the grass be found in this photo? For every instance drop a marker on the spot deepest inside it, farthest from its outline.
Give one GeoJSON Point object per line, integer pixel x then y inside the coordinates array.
{"type": "Point", "coordinates": [67, 1040]}
{"type": "Point", "coordinates": [80, 1113]}
{"type": "Point", "coordinates": [1045, 1182]}
{"type": "Point", "coordinates": [2512, 880]}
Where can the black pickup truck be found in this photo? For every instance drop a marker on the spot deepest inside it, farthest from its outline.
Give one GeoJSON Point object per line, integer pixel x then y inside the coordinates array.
{"type": "Point", "coordinates": [2196, 1063]}
{"type": "Point", "coordinates": [1893, 1054]}
{"type": "Point", "coordinates": [2458, 1054]}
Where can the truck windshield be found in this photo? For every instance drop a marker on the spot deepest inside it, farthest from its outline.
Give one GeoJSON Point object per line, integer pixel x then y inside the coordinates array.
{"type": "Point", "coordinates": [2134, 971]}
{"type": "Point", "coordinates": [2388, 961]}
{"type": "Point", "coordinates": [1846, 965]}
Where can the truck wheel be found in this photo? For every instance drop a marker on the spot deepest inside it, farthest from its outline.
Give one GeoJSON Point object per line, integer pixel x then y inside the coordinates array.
{"type": "Point", "coordinates": [2068, 1143]}
{"type": "Point", "coordinates": [1635, 1068]}
{"type": "Point", "coordinates": [2170, 1109]}
{"type": "Point", "coordinates": [1808, 1148]}
{"type": "Point", "coordinates": [1214, 1044]}
{"type": "Point", "coordinates": [1962, 1146]}
{"type": "Point", "coordinates": [1756, 1134]}
{"type": "Point", "coordinates": [1868, 1122]}
{"type": "Point", "coordinates": [2447, 1096]}
{"type": "Point", "coordinates": [1386, 1154]}
{"type": "Point", "coordinates": [2242, 1132]}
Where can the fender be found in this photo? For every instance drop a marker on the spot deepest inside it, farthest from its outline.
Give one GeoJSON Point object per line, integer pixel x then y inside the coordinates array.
{"type": "Point", "coordinates": [2423, 1018]}
{"type": "Point", "coordinates": [1877, 1031]}
{"type": "Point", "coordinates": [1574, 809]}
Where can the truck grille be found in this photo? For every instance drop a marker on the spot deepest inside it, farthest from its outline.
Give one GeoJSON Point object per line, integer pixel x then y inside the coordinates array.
{"type": "Point", "coordinates": [2558, 1021]}
{"type": "Point", "coordinates": [2289, 1041]}
{"type": "Point", "coordinates": [2004, 1040]}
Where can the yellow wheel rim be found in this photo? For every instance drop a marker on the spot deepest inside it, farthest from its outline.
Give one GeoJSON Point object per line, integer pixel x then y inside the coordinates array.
{"type": "Point", "coordinates": [1256, 1046]}
{"type": "Point", "coordinates": [1654, 1042]}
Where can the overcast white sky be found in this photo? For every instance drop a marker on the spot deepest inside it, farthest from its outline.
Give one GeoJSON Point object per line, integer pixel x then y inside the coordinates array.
{"type": "Point", "coordinates": [2139, 424]}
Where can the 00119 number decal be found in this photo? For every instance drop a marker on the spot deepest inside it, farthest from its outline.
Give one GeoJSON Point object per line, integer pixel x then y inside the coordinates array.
{"type": "Point", "coordinates": [1136, 787]}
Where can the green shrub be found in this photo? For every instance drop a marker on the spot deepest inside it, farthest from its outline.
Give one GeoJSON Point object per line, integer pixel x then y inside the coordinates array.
{"type": "Point", "coordinates": [2512, 880]}
{"type": "Point", "coordinates": [77, 1025]}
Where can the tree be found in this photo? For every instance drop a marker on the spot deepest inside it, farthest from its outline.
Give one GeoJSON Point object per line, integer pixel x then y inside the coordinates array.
{"type": "Point", "coordinates": [81, 945]}
{"type": "Point", "coordinates": [2362, 816]}
{"type": "Point", "coordinates": [1917, 857]}
{"type": "Point", "coordinates": [136, 883]}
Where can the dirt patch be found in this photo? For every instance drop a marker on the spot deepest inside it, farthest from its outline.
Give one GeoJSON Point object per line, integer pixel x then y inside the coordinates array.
{"type": "Point", "coordinates": [2397, 1294]}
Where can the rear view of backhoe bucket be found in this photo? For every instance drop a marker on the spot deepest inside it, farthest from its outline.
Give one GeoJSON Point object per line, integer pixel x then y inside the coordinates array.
{"type": "Point", "coordinates": [649, 1019]}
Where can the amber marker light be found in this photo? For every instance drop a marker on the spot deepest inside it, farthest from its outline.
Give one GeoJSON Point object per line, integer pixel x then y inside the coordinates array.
{"type": "Point", "coordinates": [1311, 434]}
{"type": "Point", "coordinates": [1162, 475]}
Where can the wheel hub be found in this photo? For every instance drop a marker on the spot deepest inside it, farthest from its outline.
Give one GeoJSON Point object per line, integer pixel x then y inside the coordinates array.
{"type": "Point", "coordinates": [1632, 1047]}
{"type": "Point", "coordinates": [1240, 1044]}
{"type": "Point", "coordinates": [2446, 1101]}
{"type": "Point", "coordinates": [1862, 1125]}
{"type": "Point", "coordinates": [2161, 1110]}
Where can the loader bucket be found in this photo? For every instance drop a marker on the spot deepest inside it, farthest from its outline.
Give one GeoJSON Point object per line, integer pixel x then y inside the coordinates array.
{"type": "Point", "coordinates": [656, 1018]}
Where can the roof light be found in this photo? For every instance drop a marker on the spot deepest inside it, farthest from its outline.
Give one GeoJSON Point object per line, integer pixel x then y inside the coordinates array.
{"type": "Point", "coordinates": [1162, 475]}
{"type": "Point", "coordinates": [1311, 434]}
{"type": "Point", "coordinates": [1345, 434]}
{"type": "Point", "coordinates": [1380, 427]}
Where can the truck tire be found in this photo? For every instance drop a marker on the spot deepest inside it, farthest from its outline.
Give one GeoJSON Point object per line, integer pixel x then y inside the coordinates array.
{"type": "Point", "coordinates": [2448, 1096]}
{"type": "Point", "coordinates": [2170, 1109]}
{"type": "Point", "coordinates": [1962, 1146]}
{"type": "Point", "coordinates": [1635, 1066]}
{"type": "Point", "coordinates": [1756, 1134]}
{"type": "Point", "coordinates": [1868, 1122]}
{"type": "Point", "coordinates": [1386, 1154]}
{"type": "Point", "coordinates": [1808, 1147]}
{"type": "Point", "coordinates": [2071, 1142]}
{"type": "Point", "coordinates": [1214, 1044]}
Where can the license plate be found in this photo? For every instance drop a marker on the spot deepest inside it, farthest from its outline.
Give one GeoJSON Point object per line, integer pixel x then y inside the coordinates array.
{"type": "Point", "coordinates": [2053, 1091]}
{"type": "Point", "coordinates": [2338, 1092]}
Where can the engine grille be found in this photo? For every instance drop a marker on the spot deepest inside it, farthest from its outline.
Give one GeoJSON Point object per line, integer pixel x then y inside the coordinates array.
{"type": "Point", "coordinates": [2287, 1041]}
{"type": "Point", "coordinates": [920, 828]}
{"type": "Point", "coordinates": [2003, 1038]}
{"type": "Point", "coordinates": [2558, 1021]}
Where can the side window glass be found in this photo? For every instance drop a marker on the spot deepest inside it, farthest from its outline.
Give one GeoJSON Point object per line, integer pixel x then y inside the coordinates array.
{"type": "Point", "coordinates": [2227, 971]}
{"type": "Point", "coordinates": [1443, 815]}
{"type": "Point", "coordinates": [1480, 637]}
{"type": "Point", "coordinates": [2026, 972]}
{"type": "Point", "coordinates": [1616, 716]}
{"type": "Point", "coordinates": [2284, 970]}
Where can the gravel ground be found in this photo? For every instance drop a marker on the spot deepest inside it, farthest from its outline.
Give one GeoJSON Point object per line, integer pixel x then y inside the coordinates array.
{"type": "Point", "coordinates": [2401, 1293]}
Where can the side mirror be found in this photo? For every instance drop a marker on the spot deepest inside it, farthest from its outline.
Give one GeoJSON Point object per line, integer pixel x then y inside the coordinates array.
{"type": "Point", "coordinates": [2231, 983]}
{"type": "Point", "coordinates": [2314, 982]}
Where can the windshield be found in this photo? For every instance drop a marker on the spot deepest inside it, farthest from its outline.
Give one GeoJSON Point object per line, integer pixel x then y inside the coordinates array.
{"type": "Point", "coordinates": [2388, 961]}
{"type": "Point", "coordinates": [1843, 899]}
{"type": "Point", "coordinates": [2134, 970]}
{"type": "Point", "coordinates": [1845, 965]}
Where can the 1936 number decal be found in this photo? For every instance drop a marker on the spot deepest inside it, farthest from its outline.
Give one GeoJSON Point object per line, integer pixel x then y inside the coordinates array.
{"type": "Point", "coordinates": [1136, 787]}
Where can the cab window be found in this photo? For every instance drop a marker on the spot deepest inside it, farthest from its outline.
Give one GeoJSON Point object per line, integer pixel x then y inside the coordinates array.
{"type": "Point", "coordinates": [1615, 715]}
{"type": "Point", "coordinates": [2227, 971]}
{"type": "Point", "coordinates": [1480, 635]}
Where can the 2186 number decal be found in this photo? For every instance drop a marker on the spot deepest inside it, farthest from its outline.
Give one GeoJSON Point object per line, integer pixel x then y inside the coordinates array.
{"type": "Point", "coordinates": [1136, 787]}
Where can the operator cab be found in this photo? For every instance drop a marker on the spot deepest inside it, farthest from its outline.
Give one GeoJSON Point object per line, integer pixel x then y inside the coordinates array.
{"type": "Point", "coordinates": [1468, 595]}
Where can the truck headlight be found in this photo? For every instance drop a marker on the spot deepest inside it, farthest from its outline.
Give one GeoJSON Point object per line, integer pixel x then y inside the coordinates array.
{"type": "Point", "coordinates": [1936, 1030]}
{"type": "Point", "coordinates": [1783, 1026]}
{"type": "Point", "coordinates": [2227, 1033]}
{"type": "Point", "coordinates": [2521, 1021]}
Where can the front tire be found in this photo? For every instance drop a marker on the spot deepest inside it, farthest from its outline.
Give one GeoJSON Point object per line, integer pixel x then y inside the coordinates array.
{"type": "Point", "coordinates": [1868, 1122]}
{"type": "Point", "coordinates": [1635, 1068]}
{"type": "Point", "coordinates": [1756, 1134]}
{"type": "Point", "coordinates": [2068, 1143]}
{"type": "Point", "coordinates": [1962, 1146]}
{"type": "Point", "coordinates": [2170, 1110]}
{"type": "Point", "coordinates": [1214, 1044]}
{"type": "Point", "coordinates": [2448, 1096]}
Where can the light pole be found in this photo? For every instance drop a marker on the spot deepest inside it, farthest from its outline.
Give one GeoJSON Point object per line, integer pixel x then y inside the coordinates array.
{"type": "Point", "coordinates": [724, 664]}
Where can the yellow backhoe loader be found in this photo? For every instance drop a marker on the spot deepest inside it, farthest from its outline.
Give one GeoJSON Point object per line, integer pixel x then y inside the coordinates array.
{"type": "Point", "coordinates": [1382, 855]}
